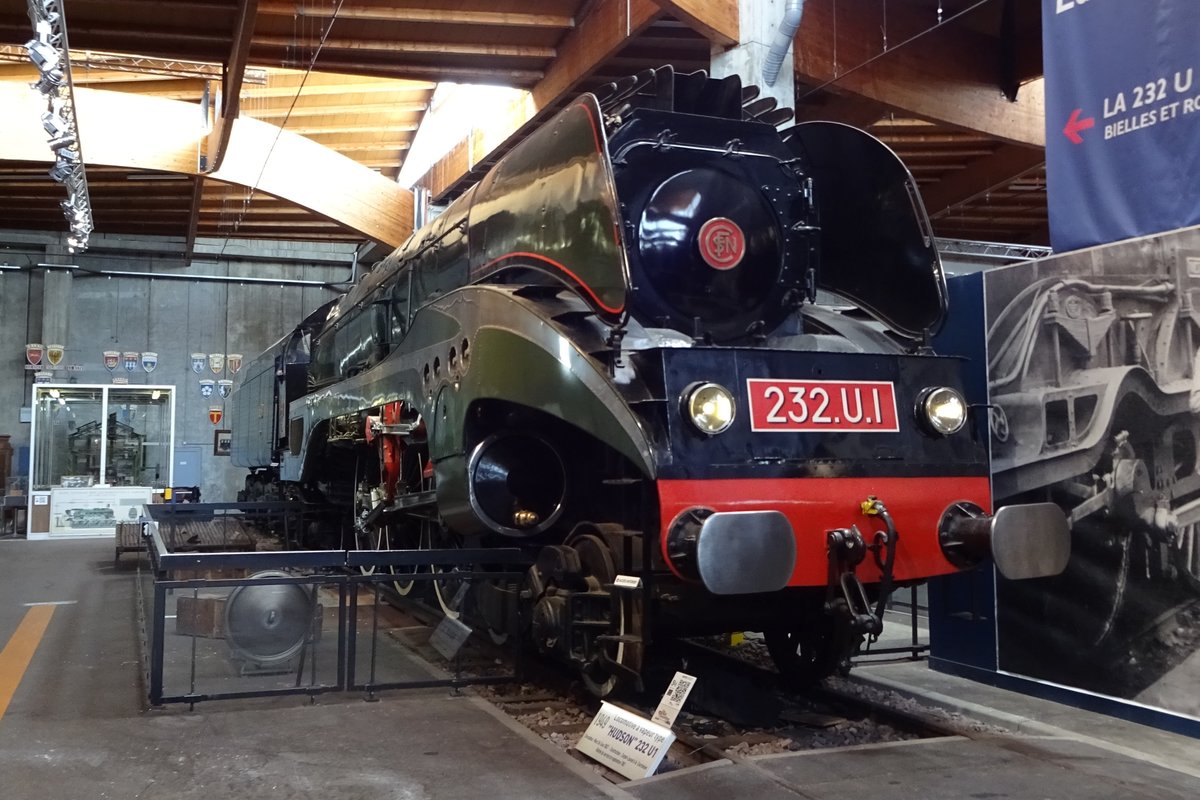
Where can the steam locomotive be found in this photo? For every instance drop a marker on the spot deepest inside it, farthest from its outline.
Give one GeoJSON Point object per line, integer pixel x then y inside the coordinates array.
{"type": "Point", "coordinates": [682, 359]}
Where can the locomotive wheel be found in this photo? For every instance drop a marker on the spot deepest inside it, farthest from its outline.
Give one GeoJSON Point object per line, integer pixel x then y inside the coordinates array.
{"type": "Point", "coordinates": [408, 538]}
{"type": "Point", "coordinates": [445, 589]}
{"type": "Point", "coordinates": [385, 536]}
{"type": "Point", "coordinates": [810, 652]}
{"type": "Point", "coordinates": [596, 560]}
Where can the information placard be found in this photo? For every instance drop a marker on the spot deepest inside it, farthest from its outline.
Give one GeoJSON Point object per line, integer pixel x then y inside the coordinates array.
{"type": "Point", "coordinates": [1121, 132]}
{"type": "Point", "coordinates": [449, 636]}
{"type": "Point", "coordinates": [673, 699]}
{"type": "Point", "coordinates": [625, 742]}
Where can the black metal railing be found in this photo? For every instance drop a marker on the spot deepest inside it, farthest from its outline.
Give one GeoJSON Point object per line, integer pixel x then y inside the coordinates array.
{"type": "Point", "coordinates": [258, 624]}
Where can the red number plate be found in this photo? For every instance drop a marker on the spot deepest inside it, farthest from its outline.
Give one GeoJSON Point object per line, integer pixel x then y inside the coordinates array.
{"type": "Point", "coordinates": [867, 406]}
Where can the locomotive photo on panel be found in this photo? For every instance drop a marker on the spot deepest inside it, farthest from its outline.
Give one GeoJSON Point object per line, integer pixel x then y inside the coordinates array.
{"type": "Point", "coordinates": [1096, 407]}
{"type": "Point", "coordinates": [609, 353]}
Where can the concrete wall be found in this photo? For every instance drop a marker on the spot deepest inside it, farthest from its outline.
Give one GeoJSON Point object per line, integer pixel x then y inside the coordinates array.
{"type": "Point", "coordinates": [171, 316]}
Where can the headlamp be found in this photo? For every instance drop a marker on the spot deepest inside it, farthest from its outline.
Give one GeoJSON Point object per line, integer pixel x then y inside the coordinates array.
{"type": "Point", "coordinates": [710, 407]}
{"type": "Point", "coordinates": [945, 410]}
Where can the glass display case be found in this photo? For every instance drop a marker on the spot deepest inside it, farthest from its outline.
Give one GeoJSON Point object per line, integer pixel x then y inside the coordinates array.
{"type": "Point", "coordinates": [98, 453]}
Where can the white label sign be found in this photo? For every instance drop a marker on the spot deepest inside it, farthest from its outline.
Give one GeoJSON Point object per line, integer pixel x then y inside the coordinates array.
{"type": "Point", "coordinates": [628, 582]}
{"type": "Point", "coordinates": [448, 637]}
{"type": "Point", "coordinates": [625, 742]}
{"type": "Point", "coordinates": [673, 700]}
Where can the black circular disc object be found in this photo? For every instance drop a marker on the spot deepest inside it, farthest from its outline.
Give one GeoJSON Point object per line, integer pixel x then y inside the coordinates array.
{"type": "Point", "coordinates": [268, 624]}
{"type": "Point", "coordinates": [710, 249]}
{"type": "Point", "coordinates": [517, 472]}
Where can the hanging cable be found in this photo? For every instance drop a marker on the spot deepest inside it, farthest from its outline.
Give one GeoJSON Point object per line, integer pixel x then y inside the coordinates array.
{"type": "Point", "coordinates": [904, 43]}
{"type": "Point", "coordinates": [253, 188]}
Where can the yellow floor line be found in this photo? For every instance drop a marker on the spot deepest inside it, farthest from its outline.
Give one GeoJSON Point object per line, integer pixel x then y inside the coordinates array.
{"type": "Point", "coordinates": [16, 655]}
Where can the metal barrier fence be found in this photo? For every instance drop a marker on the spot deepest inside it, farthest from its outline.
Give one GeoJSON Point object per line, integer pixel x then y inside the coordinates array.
{"type": "Point", "coordinates": [914, 605]}
{"type": "Point", "coordinates": [258, 624]}
{"type": "Point", "coordinates": [209, 527]}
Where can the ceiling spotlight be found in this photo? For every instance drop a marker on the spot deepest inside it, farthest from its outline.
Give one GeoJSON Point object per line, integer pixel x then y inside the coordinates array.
{"type": "Point", "coordinates": [63, 141]}
{"type": "Point", "coordinates": [61, 171]}
{"type": "Point", "coordinates": [53, 123]}
{"type": "Point", "coordinates": [49, 82]}
{"type": "Point", "coordinates": [47, 51]}
{"type": "Point", "coordinates": [43, 54]}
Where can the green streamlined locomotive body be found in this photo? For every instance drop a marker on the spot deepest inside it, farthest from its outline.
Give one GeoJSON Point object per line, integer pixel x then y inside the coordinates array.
{"type": "Point", "coordinates": [610, 352]}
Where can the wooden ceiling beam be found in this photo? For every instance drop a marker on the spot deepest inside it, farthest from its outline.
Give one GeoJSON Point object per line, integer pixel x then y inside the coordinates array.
{"type": "Point", "coordinates": [163, 42]}
{"type": "Point", "coordinates": [229, 99]}
{"type": "Point", "coordinates": [371, 125]}
{"type": "Point", "coordinates": [420, 48]}
{"type": "Point", "coordinates": [499, 19]}
{"type": "Point", "coordinates": [218, 6]}
{"type": "Point", "coordinates": [949, 74]}
{"type": "Point", "coordinates": [310, 80]}
{"type": "Point", "coordinates": [1009, 162]}
{"type": "Point", "coordinates": [286, 222]}
{"type": "Point", "coordinates": [363, 147]}
{"type": "Point", "coordinates": [168, 88]}
{"type": "Point", "coordinates": [379, 111]}
{"type": "Point", "coordinates": [314, 89]}
{"type": "Point", "coordinates": [850, 109]}
{"type": "Point", "coordinates": [597, 37]}
{"type": "Point", "coordinates": [716, 20]}
{"type": "Point", "coordinates": [189, 242]}
{"type": "Point", "coordinates": [485, 72]}
{"type": "Point", "coordinates": [260, 155]}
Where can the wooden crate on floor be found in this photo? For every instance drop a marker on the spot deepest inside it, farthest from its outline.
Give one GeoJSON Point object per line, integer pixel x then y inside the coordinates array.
{"type": "Point", "coordinates": [200, 615]}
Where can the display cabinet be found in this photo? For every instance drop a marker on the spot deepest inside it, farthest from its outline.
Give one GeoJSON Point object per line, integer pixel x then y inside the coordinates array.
{"type": "Point", "coordinates": [98, 454]}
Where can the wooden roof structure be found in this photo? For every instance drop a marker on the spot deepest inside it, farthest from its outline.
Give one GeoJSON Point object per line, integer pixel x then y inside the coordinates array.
{"type": "Point", "coordinates": [952, 85]}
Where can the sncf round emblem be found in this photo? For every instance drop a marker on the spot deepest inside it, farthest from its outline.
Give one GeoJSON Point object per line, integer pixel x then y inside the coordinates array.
{"type": "Point", "coordinates": [722, 243]}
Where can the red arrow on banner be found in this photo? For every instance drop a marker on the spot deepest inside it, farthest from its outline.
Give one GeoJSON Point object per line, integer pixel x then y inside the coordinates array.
{"type": "Point", "coordinates": [1075, 125]}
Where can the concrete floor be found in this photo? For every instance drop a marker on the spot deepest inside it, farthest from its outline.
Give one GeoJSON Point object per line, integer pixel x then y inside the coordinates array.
{"type": "Point", "coordinates": [76, 727]}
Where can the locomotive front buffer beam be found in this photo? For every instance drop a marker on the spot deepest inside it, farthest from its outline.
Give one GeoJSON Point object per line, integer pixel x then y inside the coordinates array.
{"type": "Point", "coordinates": [746, 552]}
{"type": "Point", "coordinates": [1032, 540]}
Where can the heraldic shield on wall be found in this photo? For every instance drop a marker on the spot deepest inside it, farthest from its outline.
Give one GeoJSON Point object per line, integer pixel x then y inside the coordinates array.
{"type": "Point", "coordinates": [206, 387]}
{"type": "Point", "coordinates": [149, 361]}
{"type": "Point", "coordinates": [55, 353]}
{"type": "Point", "coordinates": [216, 362]}
{"type": "Point", "coordinates": [33, 353]}
{"type": "Point", "coordinates": [112, 359]}
{"type": "Point", "coordinates": [1094, 378]}
{"type": "Point", "coordinates": [198, 361]}
{"type": "Point", "coordinates": [132, 361]}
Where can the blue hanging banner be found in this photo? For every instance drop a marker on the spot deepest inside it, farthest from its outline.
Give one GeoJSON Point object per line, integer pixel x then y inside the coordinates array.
{"type": "Point", "coordinates": [1122, 118]}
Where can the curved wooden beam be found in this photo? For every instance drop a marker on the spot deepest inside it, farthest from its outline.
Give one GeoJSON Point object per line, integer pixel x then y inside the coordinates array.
{"type": "Point", "coordinates": [150, 133]}
{"type": "Point", "coordinates": [719, 21]}
{"type": "Point", "coordinates": [609, 25]}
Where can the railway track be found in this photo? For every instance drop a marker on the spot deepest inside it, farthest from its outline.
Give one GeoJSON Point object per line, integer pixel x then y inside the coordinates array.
{"type": "Point", "coordinates": [738, 708]}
